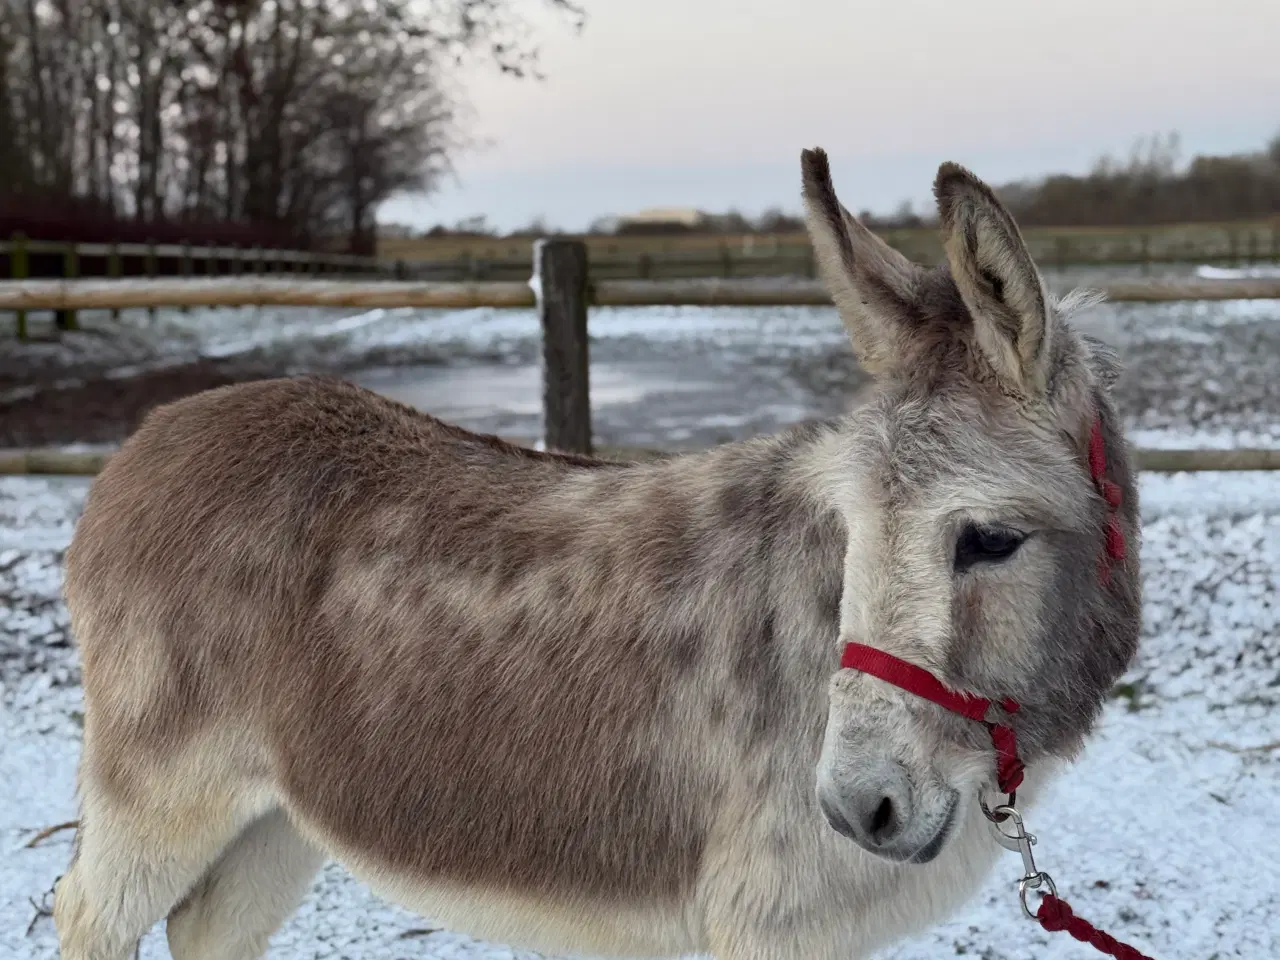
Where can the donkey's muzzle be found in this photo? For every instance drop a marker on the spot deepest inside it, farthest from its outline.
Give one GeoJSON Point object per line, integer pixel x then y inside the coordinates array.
{"type": "Point", "coordinates": [882, 816]}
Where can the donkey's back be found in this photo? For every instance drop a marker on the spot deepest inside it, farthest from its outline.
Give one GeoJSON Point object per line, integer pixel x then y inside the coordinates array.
{"type": "Point", "coordinates": [309, 459]}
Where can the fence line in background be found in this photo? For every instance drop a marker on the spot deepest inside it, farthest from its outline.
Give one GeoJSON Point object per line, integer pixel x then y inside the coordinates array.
{"type": "Point", "coordinates": [187, 261]}
{"type": "Point", "coordinates": [729, 257]}
{"type": "Point", "coordinates": [737, 255]}
{"type": "Point", "coordinates": [266, 256]}
{"type": "Point", "coordinates": [264, 292]}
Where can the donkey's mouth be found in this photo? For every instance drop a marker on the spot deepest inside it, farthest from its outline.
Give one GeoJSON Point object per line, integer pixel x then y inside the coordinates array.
{"type": "Point", "coordinates": [939, 840]}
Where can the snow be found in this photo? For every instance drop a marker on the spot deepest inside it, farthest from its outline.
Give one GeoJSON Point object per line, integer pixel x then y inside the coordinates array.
{"type": "Point", "coordinates": [1166, 832]}
{"type": "Point", "coordinates": [1211, 272]}
{"type": "Point", "coordinates": [1186, 438]}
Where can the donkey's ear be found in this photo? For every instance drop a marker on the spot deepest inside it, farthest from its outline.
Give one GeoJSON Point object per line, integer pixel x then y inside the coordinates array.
{"type": "Point", "coordinates": [871, 284]}
{"type": "Point", "coordinates": [997, 278]}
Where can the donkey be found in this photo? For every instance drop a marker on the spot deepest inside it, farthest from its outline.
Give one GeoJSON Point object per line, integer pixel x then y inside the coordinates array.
{"type": "Point", "coordinates": [593, 707]}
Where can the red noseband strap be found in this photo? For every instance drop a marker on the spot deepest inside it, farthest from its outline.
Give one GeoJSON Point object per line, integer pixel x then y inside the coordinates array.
{"type": "Point", "coordinates": [922, 683]}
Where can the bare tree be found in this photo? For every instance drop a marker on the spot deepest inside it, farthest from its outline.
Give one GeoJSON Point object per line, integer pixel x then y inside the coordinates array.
{"type": "Point", "coordinates": [298, 115]}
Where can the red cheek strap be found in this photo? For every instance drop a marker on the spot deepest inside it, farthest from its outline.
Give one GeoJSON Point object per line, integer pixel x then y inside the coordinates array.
{"type": "Point", "coordinates": [1114, 547]}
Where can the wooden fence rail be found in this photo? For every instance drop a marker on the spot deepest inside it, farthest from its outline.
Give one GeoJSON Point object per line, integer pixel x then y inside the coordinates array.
{"type": "Point", "coordinates": [706, 292]}
{"type": "Point", "coordinates": [256, 292]}
{"type": "Point", "coordinates": [55, 462]}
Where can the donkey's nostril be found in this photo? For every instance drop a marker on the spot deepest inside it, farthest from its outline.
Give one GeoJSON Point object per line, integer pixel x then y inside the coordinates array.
{"type": "Point", "coordinates": [881, 820]}
{"type": "Point", "coordinates": [875, 812]}
{"type": "Point", "coordinates": [883, 817]}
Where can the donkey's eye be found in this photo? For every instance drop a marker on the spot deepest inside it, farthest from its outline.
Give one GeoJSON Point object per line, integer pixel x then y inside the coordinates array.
{"type": "Point", "coordinates": [986, 545]}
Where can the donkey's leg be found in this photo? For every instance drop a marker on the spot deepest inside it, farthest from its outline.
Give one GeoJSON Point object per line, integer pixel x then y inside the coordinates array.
{"type": "Point", "coordinates": [134, 859]}
{"type": "Point", "coordinates": [246, 895]}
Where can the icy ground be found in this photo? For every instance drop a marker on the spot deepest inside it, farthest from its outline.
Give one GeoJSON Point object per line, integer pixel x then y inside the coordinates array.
{"type": "Point", "coordinates": [1167, 831]}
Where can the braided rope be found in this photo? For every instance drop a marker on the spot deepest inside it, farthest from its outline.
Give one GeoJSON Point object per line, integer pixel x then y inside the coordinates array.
{"type": "Point", "coordinates": [1056, 915]}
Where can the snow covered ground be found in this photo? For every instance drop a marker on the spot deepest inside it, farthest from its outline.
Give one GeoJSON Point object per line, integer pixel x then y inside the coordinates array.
{"type": "Point", "coordinates": [1166, 832]}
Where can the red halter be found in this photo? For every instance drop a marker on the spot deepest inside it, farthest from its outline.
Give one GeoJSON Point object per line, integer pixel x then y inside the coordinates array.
{"type": "Point", "coordinates": [1054, 914]}
{"type": "Point", "coordinates": [922, 683]}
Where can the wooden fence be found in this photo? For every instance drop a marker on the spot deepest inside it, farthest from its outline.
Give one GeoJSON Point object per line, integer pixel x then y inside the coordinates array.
{"type": "Point", "coordinates": [562, 291]}
{"type": "Point", "coordinates": [26, 258]}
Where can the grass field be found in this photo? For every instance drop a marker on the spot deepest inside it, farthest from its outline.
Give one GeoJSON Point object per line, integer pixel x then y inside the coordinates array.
{"type": "Point", "coordinates": [754, 254]}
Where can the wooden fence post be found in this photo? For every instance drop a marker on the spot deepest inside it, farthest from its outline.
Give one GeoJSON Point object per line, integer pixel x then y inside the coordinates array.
{"type": "Point", "coordinates": [185, 265]}
{"type": "Point", "coordinates": [66, 319]}
{"type": "Point", "coordinates": [114, 271]}
{"type": "Point", "coordinates": [18, 271]}
{"type": "Point", "coordinates": [560, 285]}
{"type": "Point", "coordinates": [152, 266]}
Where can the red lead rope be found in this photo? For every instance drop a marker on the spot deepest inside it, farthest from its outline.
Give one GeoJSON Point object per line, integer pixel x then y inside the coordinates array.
{"type": "Point", "coordinates": [1053, 914]}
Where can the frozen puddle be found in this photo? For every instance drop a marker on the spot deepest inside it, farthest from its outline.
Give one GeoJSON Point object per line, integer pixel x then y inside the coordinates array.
{"type": "Point", "coordinates": [478, 395]}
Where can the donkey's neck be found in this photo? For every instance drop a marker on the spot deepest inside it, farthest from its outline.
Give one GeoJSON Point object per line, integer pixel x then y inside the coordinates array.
{"type": "Point", "coordinates": [725, 566]}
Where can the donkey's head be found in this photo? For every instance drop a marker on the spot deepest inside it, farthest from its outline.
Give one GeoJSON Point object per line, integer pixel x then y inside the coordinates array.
{"type": "Point", "coordinates": [977, 519]}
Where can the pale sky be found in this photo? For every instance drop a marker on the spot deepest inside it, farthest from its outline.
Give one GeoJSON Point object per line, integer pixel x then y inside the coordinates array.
{"type": "Point", "coordinates": [708, 103]}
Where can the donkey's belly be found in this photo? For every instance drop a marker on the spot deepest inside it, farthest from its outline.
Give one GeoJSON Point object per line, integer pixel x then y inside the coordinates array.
{"type": "Point", "coordinates": [525, 919]}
